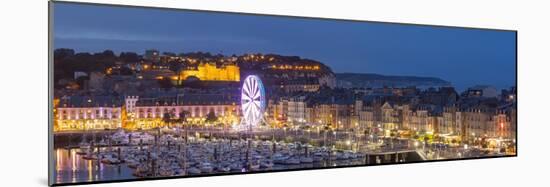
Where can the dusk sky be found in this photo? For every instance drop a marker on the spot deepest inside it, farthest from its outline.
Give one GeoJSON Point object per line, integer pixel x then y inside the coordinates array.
{"type": "Point", "coordinates": [465, 57]}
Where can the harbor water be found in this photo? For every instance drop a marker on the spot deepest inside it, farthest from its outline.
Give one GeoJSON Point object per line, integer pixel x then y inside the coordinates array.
{"type": "Point", "coordinates": [71, 167]}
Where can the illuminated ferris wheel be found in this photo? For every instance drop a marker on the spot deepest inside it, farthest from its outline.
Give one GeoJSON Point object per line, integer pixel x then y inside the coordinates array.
{"type": "Point", "coordinates": [252, 101]}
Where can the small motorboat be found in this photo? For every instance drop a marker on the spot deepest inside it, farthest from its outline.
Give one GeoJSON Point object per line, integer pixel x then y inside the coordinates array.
{"type": "Point", "coordinates": [235, 167]}
{"type": "Point", "coordinates": [266, 164]}
{"type": "Point", "coordinates": [306, 160]}
{"type": "Point", "coordinates": [206, 167]}
{"type": "Point", "coordinates": [254, 166]}
{"type": "Point", "coordinates": [292, 161]}
{"type": "Point", "coordinates": [194, 171]}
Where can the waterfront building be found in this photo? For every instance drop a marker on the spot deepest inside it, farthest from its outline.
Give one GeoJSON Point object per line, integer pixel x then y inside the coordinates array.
{"type": "Point", "coordinates": [420, 121]}
{"type": "Point", "coordinates": [151, 112]}
{"type": "Point", "coordinates": [477, 122]}
{"type": "Point", "coordinates": [448, 125]}
{"type": "Point", "coordinates": [275, 113]}
{"type": "Point", "coordinates": [343, 115]}
{"type": "Point", "coordinates": [406, 114]}
{"type": "Point", "coordinates": [293, 110]}
{"type": "Point", "coordinates": [390, 115]}
{"type": "Point", "coordinates": [281, 111]}
{"type": "Point", "coordinates": [130, 104]}
{"type": "Point", "coordinates": [335, 113]}
{"type": "Point", "coordinates": [89, 113]}
{"type": "Point", "coordinates": [366, 118]}
{"type": "Point", "coordinates": [296, 112]}
{"type": "Point", "coordinates": [460, 128]}
{"type": "Point", "coordinates": [325, 115]}
{"type": "Point", "coordinates": [504, 122]}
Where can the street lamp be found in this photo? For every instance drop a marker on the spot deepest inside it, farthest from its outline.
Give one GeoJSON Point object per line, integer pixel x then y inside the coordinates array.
{"type": "Point", "coordinates": [324, 137]}
{"type": "Point", "coordinates": [372, 138]}
{"type": "Point", "coordinates": [472, 138]}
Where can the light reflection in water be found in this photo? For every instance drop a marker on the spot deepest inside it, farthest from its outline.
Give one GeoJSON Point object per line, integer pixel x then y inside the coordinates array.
{"type": "Point", "coordinates": [73, 159]}
{"type": "Point", "coordinates": [89, 167]}
{"type": "Point", "coordinates": [71, 167]}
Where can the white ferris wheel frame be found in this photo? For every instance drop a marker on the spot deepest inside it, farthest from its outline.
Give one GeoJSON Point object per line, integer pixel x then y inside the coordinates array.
{"type": "Point", "coordinates": [253, 102]}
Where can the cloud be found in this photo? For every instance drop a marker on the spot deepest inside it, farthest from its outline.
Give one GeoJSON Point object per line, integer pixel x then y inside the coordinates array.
{"type": "Point", "coordinates": [133, 37]}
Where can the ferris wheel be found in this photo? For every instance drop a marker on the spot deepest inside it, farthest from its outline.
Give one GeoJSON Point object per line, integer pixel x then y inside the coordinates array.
{"type": "Point", "coordinates": [252, 101]}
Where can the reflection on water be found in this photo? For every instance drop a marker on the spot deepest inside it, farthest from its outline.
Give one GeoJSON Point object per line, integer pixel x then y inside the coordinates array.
{"type": "Point", "coordinates": [71, 167]}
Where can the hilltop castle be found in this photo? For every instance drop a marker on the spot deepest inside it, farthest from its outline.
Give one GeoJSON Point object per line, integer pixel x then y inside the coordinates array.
{"type": "Point", "coordinates": [211, 72]}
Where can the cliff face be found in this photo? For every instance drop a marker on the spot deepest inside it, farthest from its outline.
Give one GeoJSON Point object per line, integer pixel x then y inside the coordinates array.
{"type": "Point", "coordinates": [348, 80]}
{"type": "Point", "coordinates": [276, 70]}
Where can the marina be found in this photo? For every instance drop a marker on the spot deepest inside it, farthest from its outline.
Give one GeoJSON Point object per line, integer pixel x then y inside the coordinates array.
{"type": "Point", "coordinates": [129, 155]}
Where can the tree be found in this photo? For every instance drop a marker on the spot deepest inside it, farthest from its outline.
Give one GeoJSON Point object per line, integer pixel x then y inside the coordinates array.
{"type": "Point", "coordinates": [438, 138]}
{"type": "Point", "coordinates": [183, 119]}
{"type": "Point", "coordinates": [107, 53]}
{"type": "Point", "coordinates": [166, 118]}
{"type": "Point", "coordinates": [129, 57]}
{"type": "Point", "coordinates": [183, 116]}
{"type": "Point", "coordinates": [211, 117]}
{"type": "Point", "coordinates": [62, 53]}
